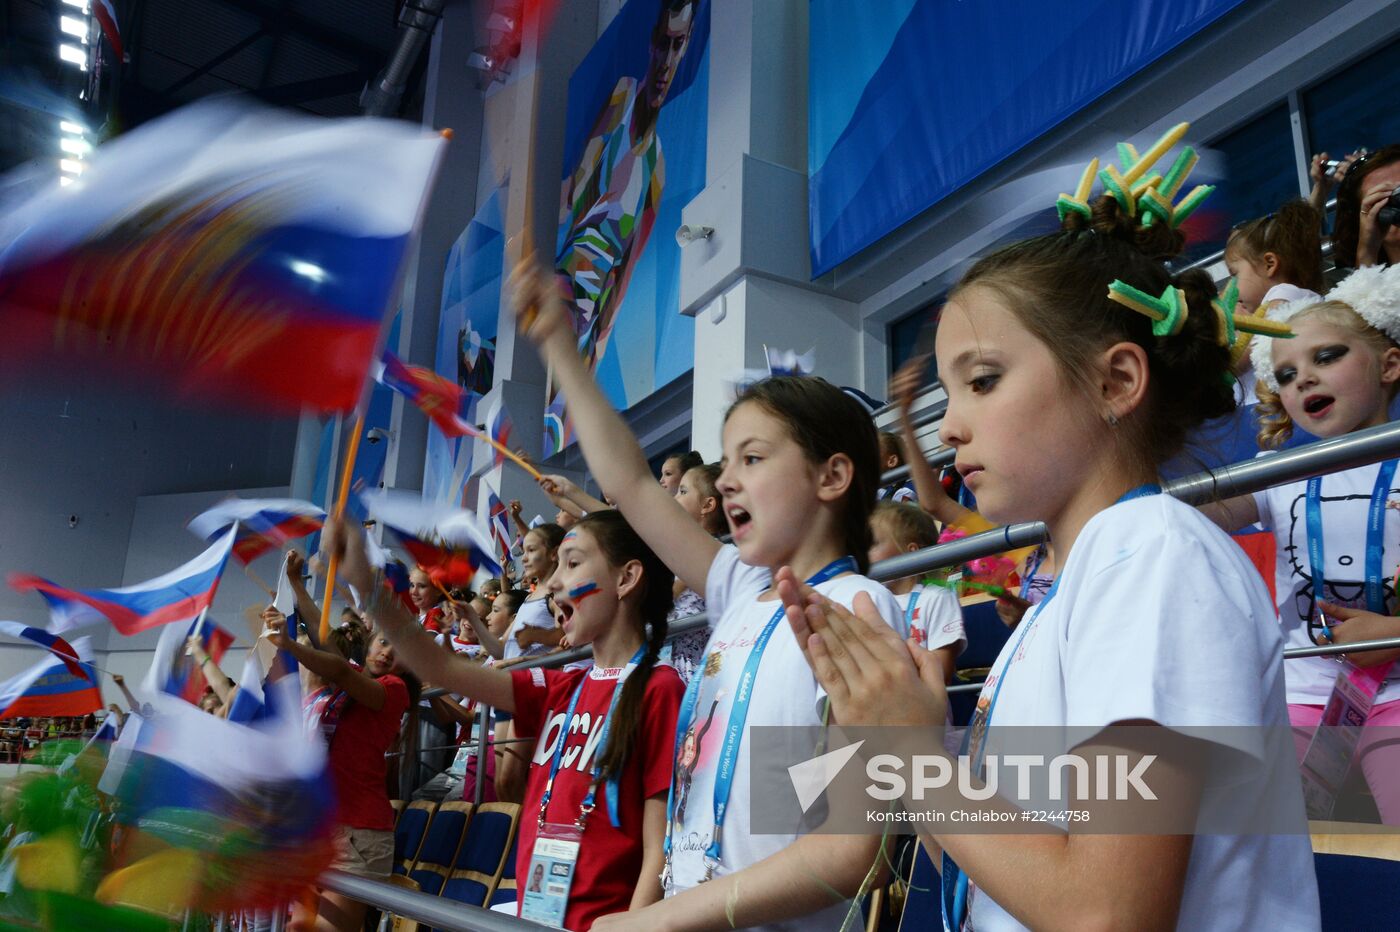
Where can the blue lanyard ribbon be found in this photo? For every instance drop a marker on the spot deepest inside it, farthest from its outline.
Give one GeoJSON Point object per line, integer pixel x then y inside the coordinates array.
{"type": "Point", "coordinates": [1375, 537]}
{"type": "Point", "coordinates": [955, 889]}
{"type": "Point", "coordinates": [910, 609]}
{"type": "Point", "coordinates": [586, 806]}
{"type": "Point", "coordinates": [738, 715]}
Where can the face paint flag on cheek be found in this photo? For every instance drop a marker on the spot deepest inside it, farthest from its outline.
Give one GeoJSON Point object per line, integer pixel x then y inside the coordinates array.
{"type": "Point", "coordinates": [579, 593]}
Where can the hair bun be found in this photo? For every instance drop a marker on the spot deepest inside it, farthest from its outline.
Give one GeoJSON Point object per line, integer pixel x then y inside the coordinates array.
{"type": "Point", "coordinates": [1158, 242]}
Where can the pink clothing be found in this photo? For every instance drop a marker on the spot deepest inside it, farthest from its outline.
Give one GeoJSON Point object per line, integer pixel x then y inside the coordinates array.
{"type": "Point", "coordinates": [1378, 752]}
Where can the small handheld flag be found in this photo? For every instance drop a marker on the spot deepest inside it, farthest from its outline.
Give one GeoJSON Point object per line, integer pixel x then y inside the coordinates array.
{"type": "Point", "coordinates": [498, 428]}
{"type": "Point", "coordinates": [50, 688]}
{"type": "Point", "coordinates": [440, 399]}
{"type": "Point", "coordinates": [445, 542]}
{"type": "Point", "coordinates": [263, 524]}
{"type": "Point", "coordinates": [500, 526]}
{"type": "Point", "coordinates": [49, 642]}
{"type": "Point", "coordinates": [224, 250]}
{"type": "Point", "coordinates": [180, 595]}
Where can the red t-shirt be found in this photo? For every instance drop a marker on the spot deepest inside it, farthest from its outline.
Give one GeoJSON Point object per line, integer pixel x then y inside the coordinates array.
{"type": "Point", "coordinates": [610, 859]}
{"type": "Point", "coordinates": [435, 620]}
{"type": "Point", "coordinates": [357, 764]}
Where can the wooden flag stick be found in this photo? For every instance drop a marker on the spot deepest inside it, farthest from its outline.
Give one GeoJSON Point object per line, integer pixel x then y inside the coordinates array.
{"type": "Point", "coordinates": [342, 496]}
{"type": "Point", "coordinates": [248, 571]}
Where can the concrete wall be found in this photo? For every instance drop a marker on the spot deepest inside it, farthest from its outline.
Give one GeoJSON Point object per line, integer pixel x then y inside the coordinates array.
{"type": "Point", "coordinates": [86, 448]}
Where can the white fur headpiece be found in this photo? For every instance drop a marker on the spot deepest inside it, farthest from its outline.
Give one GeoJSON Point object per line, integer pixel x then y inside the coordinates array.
{"type": "Point", "coordinates": [1373, 292]}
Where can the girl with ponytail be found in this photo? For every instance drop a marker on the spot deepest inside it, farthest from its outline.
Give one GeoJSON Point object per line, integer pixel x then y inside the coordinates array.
{"type": "Point", "coordinates": [602, 762]}
{"type": "Point", "coordinates": [1075, 365]}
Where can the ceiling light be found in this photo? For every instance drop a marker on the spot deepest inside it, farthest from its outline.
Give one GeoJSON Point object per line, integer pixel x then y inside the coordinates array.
{"type": "Point", "coordinates": [74, 26]}
{"type": "Point", "coordinates": [72, 166]}
{"type": "Point", "coordinates": [74, 146]}
{"type": "Point", "coordinates": [73, 55]}
{"type": "Point", "coordinates": [80, 4]}
{"type": "Point", "coordinates": [73, 129]}
{"type": "Point", "coordinates": [64, 180]}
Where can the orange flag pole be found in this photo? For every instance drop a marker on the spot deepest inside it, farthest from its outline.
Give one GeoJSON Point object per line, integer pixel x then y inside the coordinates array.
{"type": "Point", "coordinates": [352, 449]}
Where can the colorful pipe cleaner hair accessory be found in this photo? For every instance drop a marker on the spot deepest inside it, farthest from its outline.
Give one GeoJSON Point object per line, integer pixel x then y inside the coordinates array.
{"type": "Point", "coordinates": [1141, 195]}
{"type": "Point", "coordinates": [1231, 323]}
{"type": "Point", "coordinates": [1168, 312]}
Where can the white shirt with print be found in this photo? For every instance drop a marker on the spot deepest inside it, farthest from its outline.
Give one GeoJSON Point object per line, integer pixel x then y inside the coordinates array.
{"type": "Point", "coordinates": [1159, 616]}
{"type": "Point", "coordinates": [785, 693]}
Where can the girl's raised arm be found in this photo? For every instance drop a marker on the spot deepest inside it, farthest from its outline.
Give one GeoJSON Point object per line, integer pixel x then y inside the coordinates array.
{"type": "Point", "coordinates": [612, 453]}
{"type": "Point", "coordinates": [933, 498]}
{"type": "Point", "coordinates": [413, 646]}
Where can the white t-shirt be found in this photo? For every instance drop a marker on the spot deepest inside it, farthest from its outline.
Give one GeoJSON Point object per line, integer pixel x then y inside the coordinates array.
{"type": "Point", "coordinates": [937, 620]}
{"type": "Point", "coordinates": [785, 693]}
{"type": "Point", "coordinates": [1345, 504]}
{"type": "Point", "coordinates": [1160, 616]}
{"type": "Point", "coordinates": [532, 614]}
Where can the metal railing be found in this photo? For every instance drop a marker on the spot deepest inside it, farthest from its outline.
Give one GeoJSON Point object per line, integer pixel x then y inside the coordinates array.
{"type": "Point", "coordinates": [440, 913]}
{"type": "Point", "coordinates": [1357, 449]}
{"type": "Point", "coordinates": [927, 417]}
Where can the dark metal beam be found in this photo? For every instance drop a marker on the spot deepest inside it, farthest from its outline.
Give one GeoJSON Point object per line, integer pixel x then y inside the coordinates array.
{"type": "Point", "coordinates": [275, 19]}
{"type": "Point", "coordinates": [349, 82]}
{"type": "Point", "coordinates": [217, 60]}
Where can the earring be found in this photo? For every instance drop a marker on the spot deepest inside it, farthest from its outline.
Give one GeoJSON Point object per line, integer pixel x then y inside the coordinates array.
{"type": "Point", "coordinates": [1112, 419]}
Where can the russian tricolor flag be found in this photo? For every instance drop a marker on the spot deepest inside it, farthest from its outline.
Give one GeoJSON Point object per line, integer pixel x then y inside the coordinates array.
{"type": "Point", "coordinates": [224, 250]}
{"type": "Point", "coordinates": [181, 595]}
{"type": "Point", "coordinates": [500, 526]}
{"type": "Point", "coordinates": [51, 688]}
{"type": "Point", "coordinates": [186, 678]}
{"type": "Point", "coordinates": [439, 398]}
{"type": "Point", "coordinates": [445, 542]}
{"type": "Point", "coordinates": [499, 427]}
{"type": "Point", "coordinates": [263, 524]}
{"type": "Point", "coordinates": [106, 16]}
{"type": "Point", "coordinates": [49, 642]}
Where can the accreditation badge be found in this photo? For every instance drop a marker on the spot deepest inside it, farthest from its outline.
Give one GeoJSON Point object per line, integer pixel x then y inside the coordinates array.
{"type": "Point", "coordinates": [545, 896]}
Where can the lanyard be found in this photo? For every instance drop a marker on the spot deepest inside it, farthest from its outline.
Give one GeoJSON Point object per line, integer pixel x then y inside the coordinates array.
{"type": "Point", "coordinates": [738, 714]}
{"type": "Point", "coordinates": [1375, 537]}
{"type": "Point", "coordinates": [914, 595]}
{"type": "Point", "coordinates": [1030, 572]}
{"type": "Point", "coordinates": [955, 888]}
{"type": "Point", "coordinates": [587, 805]}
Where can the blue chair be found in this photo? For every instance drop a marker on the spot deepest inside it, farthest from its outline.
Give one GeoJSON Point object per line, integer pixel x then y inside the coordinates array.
{"type": "Point", "coordinates": [440, 844]}
{"type": "Point", "coordinates": [486, 853]}
{"type": "Point", "coordinates": [1358, 878]}
{"type": "Point", "coordinates": [505, 887]}
{"type": "Point", "coordinates": [409, 830]}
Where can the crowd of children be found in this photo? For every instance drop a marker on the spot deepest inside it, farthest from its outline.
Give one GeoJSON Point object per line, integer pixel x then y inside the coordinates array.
{"type": "Point", "coordinates": [634, 769]}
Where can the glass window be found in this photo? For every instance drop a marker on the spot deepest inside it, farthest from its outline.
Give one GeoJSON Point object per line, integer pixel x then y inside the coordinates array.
{"type": "Point", "coordinates": [907, 338]}
{"type": "Point", "coordinates": [1258, 174]}
{"type": "Point", "coordinates": [1354, 108]}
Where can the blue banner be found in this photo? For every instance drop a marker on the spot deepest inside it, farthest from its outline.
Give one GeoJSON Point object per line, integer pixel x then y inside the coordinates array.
{"type": "Point", "coordinates": [911, 99]}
